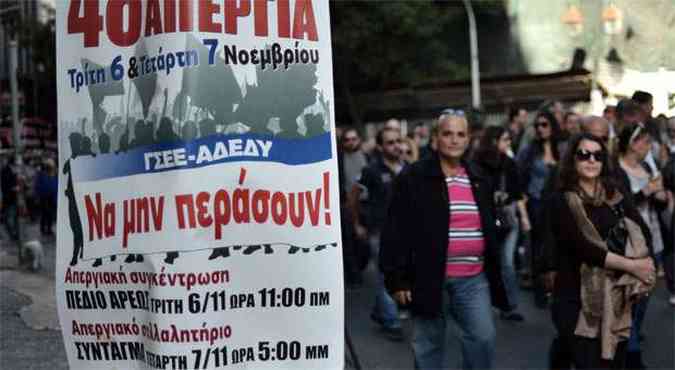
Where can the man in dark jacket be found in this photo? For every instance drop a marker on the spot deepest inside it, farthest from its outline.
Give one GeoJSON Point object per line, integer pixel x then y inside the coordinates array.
{"type": "Point", "coordinates": [373, 189]}
{"type": "Point", "coordinates": [440, 237]}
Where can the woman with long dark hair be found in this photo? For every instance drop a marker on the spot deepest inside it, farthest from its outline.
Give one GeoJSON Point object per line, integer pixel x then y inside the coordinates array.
{"type": "Point", "coordinates": [603, 260]}
{"type": "Point", "coordinates": [492, 155]}
{"type": "Point", "coordinates": [536, 163]}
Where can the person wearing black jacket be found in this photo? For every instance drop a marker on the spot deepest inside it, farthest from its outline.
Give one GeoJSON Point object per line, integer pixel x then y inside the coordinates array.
{"type": "Point", "coordinates": [421, 257]}
{"type": "Point", "coordinates": [585, 171]}
{"type": "Point", "coordinates": [537, 162]}
{"type": "Point", "coordinates": [373, 190]}
{"type": "Point", "coordinates": [493, 159]}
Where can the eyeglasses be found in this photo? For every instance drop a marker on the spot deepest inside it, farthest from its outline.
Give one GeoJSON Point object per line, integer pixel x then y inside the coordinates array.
{"type": "Point", "coordinates": [542, 124]}
{"type": "Point", "coordinates": [585, 155]}
{"type": "Point", "coordinates": [452, 112]}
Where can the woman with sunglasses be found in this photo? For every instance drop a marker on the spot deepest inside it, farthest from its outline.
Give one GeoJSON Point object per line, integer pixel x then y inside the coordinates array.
{"type": "Point", "coordinates": [493, 156]}
{"type": "Point", "coordinates": [591, 266]}
{"type": "Point", "coordinates": [650, 198]}
{"type": "Point", "coordinates": [536, 162]}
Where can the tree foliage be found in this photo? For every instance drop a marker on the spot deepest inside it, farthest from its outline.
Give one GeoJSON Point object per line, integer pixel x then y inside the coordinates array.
{"type": "Point", "coordinates": [379, 44]}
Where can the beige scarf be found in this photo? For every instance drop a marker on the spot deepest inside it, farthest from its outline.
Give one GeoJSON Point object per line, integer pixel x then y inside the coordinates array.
{"type": "Point", "coordinates": [607, 297]}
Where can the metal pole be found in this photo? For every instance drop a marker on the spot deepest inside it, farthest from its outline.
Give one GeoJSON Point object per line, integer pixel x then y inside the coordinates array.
{"type": "Point", "coordinates": [13, 67]}
{"type": "Point", "coordinates": [475, 72]}
{"type": "Point", "coordinates": [13, 61]}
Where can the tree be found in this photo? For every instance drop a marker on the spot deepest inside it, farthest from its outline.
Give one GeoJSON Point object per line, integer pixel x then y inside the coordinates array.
{"type": "Point", "coordinates": [380, 44]}
{"type": "Point", "coordinates": [388, 44]}
{"type": "Point", "coordinates": [39, 85]}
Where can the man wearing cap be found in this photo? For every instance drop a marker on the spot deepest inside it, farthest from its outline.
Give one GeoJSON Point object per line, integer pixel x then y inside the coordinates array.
{"type": "Point", "coordinates": [439, 253]}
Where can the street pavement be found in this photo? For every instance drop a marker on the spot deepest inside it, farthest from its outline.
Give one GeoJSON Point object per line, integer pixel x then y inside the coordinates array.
{"type": "Point", "coordinates": [522, 345]}
{"type": "Point", "coordinates": [30, 336]}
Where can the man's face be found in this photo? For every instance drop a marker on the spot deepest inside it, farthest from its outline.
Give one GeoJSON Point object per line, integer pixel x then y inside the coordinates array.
{"type": "Point", "coordinates": [647, 108]}
{"type": "Point", "coordinates": [521, 118]}
{"type": "Point", "coordinates": [351, 141]}
{"type": "Point", "coordinates": [391, 145]}
{"type": "Point", "coordinates": [632, 118]}
{"type": "Point", "coordinates": [573, 124]}
{"type": "Point", "coordinates": [422, 132]}
{"type": "Point", "coordinates": [558, 111]}
{"type": "Point", "coordinates": [599, 129]}
{"type": "Point", "coordinates": [453, 138]}
{"type": "Point", "coordinates": [393, 124]}
{"type": "Point", "coordinates": [609, 114]}
{"type": "Point", "coordinates": [422, 135]}
{"type": "Point", "coordinates": [671, 128]}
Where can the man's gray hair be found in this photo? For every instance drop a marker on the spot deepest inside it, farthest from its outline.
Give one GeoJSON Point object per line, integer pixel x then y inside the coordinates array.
{"type": "Point", "coordinates": [589, 120]}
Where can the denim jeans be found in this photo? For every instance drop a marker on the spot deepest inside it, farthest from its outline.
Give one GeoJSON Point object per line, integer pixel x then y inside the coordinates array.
{"type": "Point", "coordinates": [507, 261]}
{"type": "Point", "coordinates": [467, 301]}
{"type": "Point", "coordinates": [639, 312]}
{"type": "Point", "coordinates": [385, 308]}
{"type": "Point", "coordinates": [12, 221]}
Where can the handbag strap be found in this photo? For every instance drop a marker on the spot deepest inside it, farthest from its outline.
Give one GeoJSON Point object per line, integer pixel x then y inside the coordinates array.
{"type": "Point", "coordinates": [620, 213]}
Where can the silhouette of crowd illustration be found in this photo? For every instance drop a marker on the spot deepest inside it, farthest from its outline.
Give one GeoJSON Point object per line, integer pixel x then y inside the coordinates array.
{"type": "Point", "coordinates": [210, 102]}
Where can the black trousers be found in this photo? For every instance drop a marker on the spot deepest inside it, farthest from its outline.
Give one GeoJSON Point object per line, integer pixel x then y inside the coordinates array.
{"type": "Point", "coordinates": [668, 266]}
{"type": "Point", "coordinates": [586, 354]}
{"type": "Point", "coordinates": [47, 214]}
{"type": "Point", "coordinates": [350, 256]}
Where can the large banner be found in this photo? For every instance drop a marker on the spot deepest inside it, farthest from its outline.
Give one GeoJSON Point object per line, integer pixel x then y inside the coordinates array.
{"type": "Point", "coordinates": [198, 216]}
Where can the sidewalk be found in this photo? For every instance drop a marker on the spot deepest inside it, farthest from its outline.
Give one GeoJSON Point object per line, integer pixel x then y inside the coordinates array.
{"type": "Point", "coordinates": [31, 336]}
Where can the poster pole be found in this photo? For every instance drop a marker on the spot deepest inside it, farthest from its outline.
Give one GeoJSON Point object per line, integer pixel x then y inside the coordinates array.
{"type": "Point", "coordinates": [351, 352]}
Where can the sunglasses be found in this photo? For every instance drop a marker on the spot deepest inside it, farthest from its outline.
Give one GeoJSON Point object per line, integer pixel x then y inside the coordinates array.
{"type": "Point", "coordinates": [452, 112]}
{"type": "Point", "coordinates": [585, 155]}
{"type": "Point", "coordinates": [542, 124]}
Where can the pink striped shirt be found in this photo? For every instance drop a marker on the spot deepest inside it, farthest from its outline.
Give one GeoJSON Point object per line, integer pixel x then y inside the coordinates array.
{"type": "Point", "coordinates": [466, 245]}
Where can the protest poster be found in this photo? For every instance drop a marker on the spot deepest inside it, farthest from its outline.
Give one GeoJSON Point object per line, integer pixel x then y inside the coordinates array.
{"type": "Point", "coordinates": [198, 210]}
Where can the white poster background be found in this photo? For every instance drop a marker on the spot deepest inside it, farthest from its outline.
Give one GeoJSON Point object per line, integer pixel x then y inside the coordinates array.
{"type": "Point", "coordinates": [100, 338]}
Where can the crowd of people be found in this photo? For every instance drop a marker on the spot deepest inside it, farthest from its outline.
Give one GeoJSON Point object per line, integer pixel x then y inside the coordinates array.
{"type": "Point", "coordinates": [37, 183]}
{"type": "Point", "coordinates": [458, 218]}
